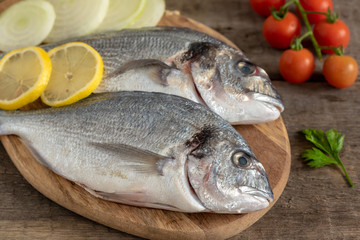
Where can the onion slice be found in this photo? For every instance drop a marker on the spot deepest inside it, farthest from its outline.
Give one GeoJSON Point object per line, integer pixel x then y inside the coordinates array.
{"type": "Point", "coordinates": [76, 18]}
{"type": "Point", "coordinates": [122, 13]}
{"type": "Point", "coordinates": [151, 15]}
{"type": "Point", "coordinates": [26, 23]}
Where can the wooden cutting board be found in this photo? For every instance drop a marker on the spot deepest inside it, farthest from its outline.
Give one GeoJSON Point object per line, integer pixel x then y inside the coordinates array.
{"type": "Point", "coordinates": [269, 142]}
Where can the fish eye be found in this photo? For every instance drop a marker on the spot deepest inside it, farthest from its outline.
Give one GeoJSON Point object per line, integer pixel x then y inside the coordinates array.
{"type": "Point", "coordinates": [241, 159]}
{"type": "Point", "coordinates": [246, 67]}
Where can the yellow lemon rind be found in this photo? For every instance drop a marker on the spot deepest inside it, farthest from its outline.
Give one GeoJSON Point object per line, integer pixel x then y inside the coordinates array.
{"type": "Point", "coordinates": [34, 92]}
{"type": "Point", "coordinates": [87, 89]}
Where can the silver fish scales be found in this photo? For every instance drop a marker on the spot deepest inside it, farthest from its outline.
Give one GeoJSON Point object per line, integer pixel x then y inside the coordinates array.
{"type": "Point", "coordinates": [146, 149]}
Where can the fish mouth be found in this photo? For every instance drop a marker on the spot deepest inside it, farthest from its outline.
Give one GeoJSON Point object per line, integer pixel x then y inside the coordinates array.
{"type": "Point", "coordinates": [264, 195]}
{"type": "Point", "coordinates": [276, 102]}
{"type": "Point", "coordinates": [268, 93]}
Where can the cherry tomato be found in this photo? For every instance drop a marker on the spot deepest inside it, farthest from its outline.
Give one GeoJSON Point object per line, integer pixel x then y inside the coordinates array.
{"type": "Point", "coordinates": [318, 6]}
{"type": "Point", "coordinates": [279, 33]}
{"type": "Point", "coordinates": [297, 66]}
{"type": "Point", "coordinates": [340, 71]}
{"type": "Point", "coordinates": [262, 7]}
{"type": "Point", "coordinates": [332, 34]}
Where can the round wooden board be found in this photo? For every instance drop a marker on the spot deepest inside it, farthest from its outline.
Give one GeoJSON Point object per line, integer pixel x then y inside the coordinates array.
{"type": "Point", "coordinates": [269, 141]}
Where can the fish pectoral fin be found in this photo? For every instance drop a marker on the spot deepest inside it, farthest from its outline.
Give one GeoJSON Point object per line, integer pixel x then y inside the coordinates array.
{"type": "Point", "coordinates": [130, 197]}
{"type": "Point", "coordinates": [123, 197]}
{"type": "Point", "coordinates": [142, 161]}
{"type": "Point", "coordinates": [136, 198]}
{"type": "Point", "coordinates": [157, 69]}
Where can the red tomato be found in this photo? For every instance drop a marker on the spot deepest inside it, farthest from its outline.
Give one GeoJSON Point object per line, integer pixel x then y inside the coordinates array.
{"type": "Point", "coordinates": [332, 34]}
{"type": "Point", "coordinates": [318, 6]}
{"type": "Point", "coordinates": [279, 33]}
{"type": "Point", "coordinates": [262, 7]}
{"type": "Point", "coordinates": [340, 71]}
{"type": "Point", "coordinates": [297, 66]}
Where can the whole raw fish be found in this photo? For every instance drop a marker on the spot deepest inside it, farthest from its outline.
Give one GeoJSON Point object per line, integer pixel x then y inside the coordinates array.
{"type": "Point", "coordinates": [190, 64]}
{"type": "Point", "coordinates": [146, 149]}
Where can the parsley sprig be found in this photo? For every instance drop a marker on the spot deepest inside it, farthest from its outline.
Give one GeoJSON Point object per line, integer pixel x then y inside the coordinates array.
{"type": "Point", "coordinates": [327, 152]}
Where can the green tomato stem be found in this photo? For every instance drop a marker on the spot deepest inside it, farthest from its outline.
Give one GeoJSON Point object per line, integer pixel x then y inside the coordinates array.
{"type": "Point", "coordinates": [308, 33]}
{"type": "Point", "coordinates": [281, 13]}
{"type": "Point", "coordinates": [338, 50]}
{"type": "Point", "coordinates": [330, 17]}
{"type": "Point", "coordinates": [315, 12]}
{"type": "Point", "coordinates": [296, 44]}
{"type": "Point", "coordinates": [309, 29]}
{"type": "Point", "coordinates": [286, 5]}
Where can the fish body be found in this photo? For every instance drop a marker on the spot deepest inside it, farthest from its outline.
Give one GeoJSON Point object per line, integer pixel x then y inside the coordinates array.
{"type": "Point", "coordinates": [215, 74]}
{"type": "Point", "coordinates": [146, 149]}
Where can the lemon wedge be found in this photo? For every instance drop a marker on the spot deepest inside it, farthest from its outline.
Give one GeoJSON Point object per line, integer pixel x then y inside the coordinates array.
{"type": "Point", "coordinates": [77, 71]}
{"type": "Point", "coordinates": [24, 74]}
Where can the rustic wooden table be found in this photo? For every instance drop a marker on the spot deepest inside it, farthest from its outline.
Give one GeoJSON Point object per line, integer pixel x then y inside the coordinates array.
{"type": "Point", "coordinates": [316, 204]}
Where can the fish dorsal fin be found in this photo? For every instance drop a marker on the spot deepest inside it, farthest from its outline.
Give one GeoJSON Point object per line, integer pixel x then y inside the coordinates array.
{"type": "Point", "coordinates": [159, 69]}
{"type": "Point", "coordinates": [142, 161]}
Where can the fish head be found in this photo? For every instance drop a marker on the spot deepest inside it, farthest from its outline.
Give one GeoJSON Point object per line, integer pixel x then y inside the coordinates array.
{"type": "Point", "coordinates": [227, 177]}
{"type": "Point", "coordinates": [232, 86]}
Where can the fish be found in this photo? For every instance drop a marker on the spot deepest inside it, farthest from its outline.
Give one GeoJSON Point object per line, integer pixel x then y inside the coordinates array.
{"type": "Point", "coordinates": [187, 63]}
{"type": "Point", "coordinates": [146, 149]}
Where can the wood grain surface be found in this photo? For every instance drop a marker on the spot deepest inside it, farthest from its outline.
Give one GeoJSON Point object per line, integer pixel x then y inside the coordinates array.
{"type": "Point", "coordinates": [316, 203]}
{"type": "Point", "coordinates": [160, 224]}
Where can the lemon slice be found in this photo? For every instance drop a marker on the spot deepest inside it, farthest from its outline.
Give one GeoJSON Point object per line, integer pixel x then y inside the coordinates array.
{"type": "Point", "coordinates": [77, 71]}
{"type": "Point", "coordinates": [24, 74]}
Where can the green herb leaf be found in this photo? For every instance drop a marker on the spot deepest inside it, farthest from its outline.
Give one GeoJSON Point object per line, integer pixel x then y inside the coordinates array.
{"type": "Point", "coordinates": [335, 140]}
{"type": "Point", "coordinates": [327, 151]}
{"type": "Point", "coordinates": [317, 137]}
{"type": "Point", "coordinates": [316, 158]}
